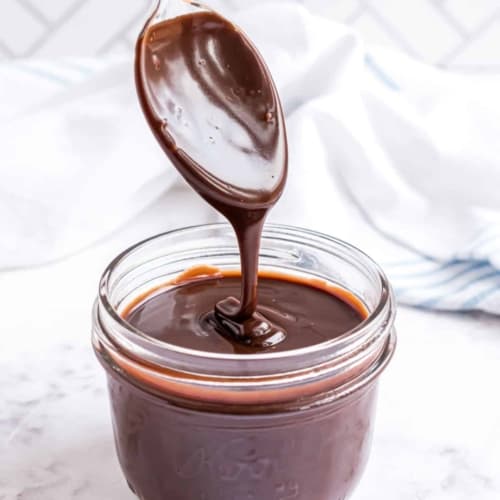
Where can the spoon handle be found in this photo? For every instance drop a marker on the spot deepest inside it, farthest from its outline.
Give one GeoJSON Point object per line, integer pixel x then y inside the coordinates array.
{"type": "Point", "coordinates": [165, 9]}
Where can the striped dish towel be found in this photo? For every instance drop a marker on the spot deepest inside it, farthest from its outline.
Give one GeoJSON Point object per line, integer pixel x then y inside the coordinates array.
{"type": "Point", "coordinates": [446, 225]}
{"type": "Point", "coordinates": [470, 281]}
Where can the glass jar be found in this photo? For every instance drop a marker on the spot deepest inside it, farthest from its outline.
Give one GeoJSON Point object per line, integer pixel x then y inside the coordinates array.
{"type": "Point", "coordinates": [191, 425]}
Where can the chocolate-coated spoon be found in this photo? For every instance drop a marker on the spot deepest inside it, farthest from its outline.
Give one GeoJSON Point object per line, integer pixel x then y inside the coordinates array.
{"type": "Point", "coordinates": [213, 106]}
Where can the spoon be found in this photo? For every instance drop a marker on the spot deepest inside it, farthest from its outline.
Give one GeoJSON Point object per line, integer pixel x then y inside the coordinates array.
{"type": "Point", "coordinates": [211, 103]}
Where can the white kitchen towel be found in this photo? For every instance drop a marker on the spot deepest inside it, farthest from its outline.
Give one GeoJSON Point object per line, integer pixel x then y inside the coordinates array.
{"type": "Point", "coordinates": [397, 157]}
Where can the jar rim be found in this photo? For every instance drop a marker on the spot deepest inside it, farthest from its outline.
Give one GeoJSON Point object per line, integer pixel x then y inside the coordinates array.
{"type": "Point", "coordinates": [378, 314]}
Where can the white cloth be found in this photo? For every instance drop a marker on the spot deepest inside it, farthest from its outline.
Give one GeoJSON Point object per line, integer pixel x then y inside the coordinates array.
{"type": "Point", "coordinates": [397, 157]}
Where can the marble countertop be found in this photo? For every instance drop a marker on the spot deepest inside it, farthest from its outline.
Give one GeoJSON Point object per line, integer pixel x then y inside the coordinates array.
{"type": "Point", "coordinates": [438, 424]}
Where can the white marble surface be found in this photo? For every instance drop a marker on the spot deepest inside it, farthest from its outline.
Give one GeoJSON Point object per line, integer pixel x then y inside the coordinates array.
{"type": "Point", "coordinates": [438, 425]}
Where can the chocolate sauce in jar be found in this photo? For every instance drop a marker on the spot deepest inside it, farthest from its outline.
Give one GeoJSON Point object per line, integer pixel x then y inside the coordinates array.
{"type": "Point", "coordinates": [309, 311]}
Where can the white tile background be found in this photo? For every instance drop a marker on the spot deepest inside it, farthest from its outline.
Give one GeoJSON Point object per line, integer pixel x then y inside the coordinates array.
{"type": "Point", "coordinates": [456, 34]}
{"type": "Point", "coordinates": [49, 28]}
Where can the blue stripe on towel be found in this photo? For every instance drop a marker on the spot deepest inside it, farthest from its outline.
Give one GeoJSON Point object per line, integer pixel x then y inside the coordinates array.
{"type": "Point", "coordinates": [438, 268]}
{"type": "Point", "coordinates": [474, 301]}
{"type": "Point", "coordinates": [380, 73]}
{"type": "Point", "coordinates": [50, 75]}
{"type": "Point", "coordinates": [469, 280]}
{"type": "Point", "coordinates": [79, 66]}
{"type": "Point", "coordinates": [434, 301]}
{"type": "Point", "coordinates": [409, 262]}
{"type": "Point", "coordinates": [484, 241]}
{"type": "Point", "coordinates": [479, 242]}
{"type": "Point", "coordinates": [470, 267]}
{"type": "Point", "coordinates": [62, 72]}
{"type": "Point", "coordinates": [83, 66]}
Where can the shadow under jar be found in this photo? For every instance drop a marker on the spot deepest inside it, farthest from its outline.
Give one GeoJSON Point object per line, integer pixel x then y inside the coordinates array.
{"type": "Point", "coordinates": [192, 425]}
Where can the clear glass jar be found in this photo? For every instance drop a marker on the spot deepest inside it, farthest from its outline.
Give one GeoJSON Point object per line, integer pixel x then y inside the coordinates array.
{"type": "Point", "coordinates": [191, 425]}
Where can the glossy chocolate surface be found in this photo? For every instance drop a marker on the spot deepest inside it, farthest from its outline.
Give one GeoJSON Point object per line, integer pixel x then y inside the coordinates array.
{"type": "Point", "coordinates": [182, 314]}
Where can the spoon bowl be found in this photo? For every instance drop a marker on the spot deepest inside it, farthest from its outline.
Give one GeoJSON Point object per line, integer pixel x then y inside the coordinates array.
{"type": "Point", "coordinates": [212, 104]}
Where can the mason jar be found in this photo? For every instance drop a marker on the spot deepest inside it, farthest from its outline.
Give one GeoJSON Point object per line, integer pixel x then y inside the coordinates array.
{"type": "Point", "coordinates": [193, 425]}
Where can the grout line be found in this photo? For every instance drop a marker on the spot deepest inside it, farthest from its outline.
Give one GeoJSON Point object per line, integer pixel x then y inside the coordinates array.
{"type": "Point", "coordinates": [72, 10]}
{"type": "Point", "coordinates": [451, 20]}
{"type": "Point", "coordinates": [360, 10]}
{"type": "Point", "coordinates": [109, 48]}
{"type": "Point", "coordinates": [4, 48]}
{"type": "Point", "coordinates": [390, 29]}
{"type": "Point", "coordinates": [121, 35]}
{"type": "Point", "coordinates": [35, 12]}
{"type": "Point", "coordinates": [448, 58]}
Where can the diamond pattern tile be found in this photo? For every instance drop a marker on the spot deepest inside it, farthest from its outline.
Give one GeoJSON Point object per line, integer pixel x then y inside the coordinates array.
{"type": "Point", "coordinates": [481, 51]}
{"type": "Point", "coordinates": [372, 31]}
{"type": "Point", "coordinates": [341, 10]}
{"type": "Point", "coordinates": [418, 26]}
{"type": "Point", "coordinates": [471, 13]}
{"type": "Point", "coordinates": [51, 28]}
{"type": "Point", "coordinates": [50, 10]}
{"type": "Point", "coordinates": [92, 27]}
{"type": "Point", "coordinates": [457, 34]}
{"type": "Point", "coordinates": [19, 29]}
